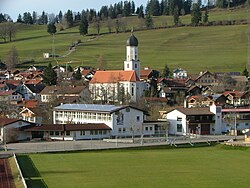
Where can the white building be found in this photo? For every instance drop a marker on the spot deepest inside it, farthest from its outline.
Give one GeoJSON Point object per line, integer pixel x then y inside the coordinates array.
{"type": "Point", "coordinates": [184, 121]}
{"type": "Point", "coordinates": [123, 120]}
{"type": "Point", "coordinates": [180, 73]}
{"type": "Point", "coordinates": [238, 118]}
{"type": "Point", "coordinates": [106, 85]}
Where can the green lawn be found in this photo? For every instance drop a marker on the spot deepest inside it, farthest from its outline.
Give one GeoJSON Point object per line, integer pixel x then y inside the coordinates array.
{"type": "Point", "coordinates": [193, 167]}
{"type": "Point", "coordinates": [219, 48]}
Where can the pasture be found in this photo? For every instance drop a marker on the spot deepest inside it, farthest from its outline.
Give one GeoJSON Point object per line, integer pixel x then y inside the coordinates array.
{"type": "Point", "coordinates": [214, 48]}
{"type": "Point", "coordinates": [216, 166]}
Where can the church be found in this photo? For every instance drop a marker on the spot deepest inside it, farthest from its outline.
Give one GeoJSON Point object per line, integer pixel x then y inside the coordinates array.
{"type": "Point", "coordinates": [111, 86]}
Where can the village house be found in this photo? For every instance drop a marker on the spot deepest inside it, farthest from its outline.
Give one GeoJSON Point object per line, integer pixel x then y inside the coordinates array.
{"type": "Point", "coordinates": [70, 131]}
{"type": "Point", "coordinates": [123, 120]}
{"type": "Point", "coordinates": [10, 130]}
{"type": "Point", "coordinates": [186, 121]}
{"type": "Point", "coordinates": [235, 118]}
{"type": "Point", "coordinates": [11, 96]}
{"type": "Point", "coordinates": [179, 73]}
{"type": "Point", "coordinates": [237, 98]}
{"type": "Point", "coordinates": [65, 93]}
{"type": "Point", "coordinates": [205, 79]}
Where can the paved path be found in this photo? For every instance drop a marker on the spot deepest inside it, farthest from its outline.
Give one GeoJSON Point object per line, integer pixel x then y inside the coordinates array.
{"type": "Point", "coordinates": [36, 147]}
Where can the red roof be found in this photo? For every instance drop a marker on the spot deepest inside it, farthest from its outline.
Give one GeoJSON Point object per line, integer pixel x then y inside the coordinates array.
{"type": "Point", "coordinates": [145, 73]}
{"type": "Point", "coordinates": [6, 93]}
{"type": "Point", "coordinates": [13, 82]}
{"type": "Point", "coordinates": [33, 81]}
{"type": "Point", "coordinates": [234, 93]}
{"type": "Point", "coordinates": [114, 76]}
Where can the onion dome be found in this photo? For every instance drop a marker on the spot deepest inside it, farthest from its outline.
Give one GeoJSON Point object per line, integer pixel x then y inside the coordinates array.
{"type": "Point", "coordinates": [132, 40]}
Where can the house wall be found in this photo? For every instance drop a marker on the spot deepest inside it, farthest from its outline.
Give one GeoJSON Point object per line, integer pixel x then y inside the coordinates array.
{"type": "Point", "coordinates": [134, 89]}
{"type": "Point", "coordinates": [125, 122]}
{"type": "Point", "coordinates": [11, 134]}
{"type": "Point", "coordinates": [77, 135]}
{"type": "Point", "coordinates": [216, 128]}
{"type": "Point", "coordinates": [130, 124]}
{"type": "Point", "coordinates": [177, 118]}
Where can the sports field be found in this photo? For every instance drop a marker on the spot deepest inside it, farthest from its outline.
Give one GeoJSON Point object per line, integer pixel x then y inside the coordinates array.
{"type": "Point", "coordinates": [215, 166]}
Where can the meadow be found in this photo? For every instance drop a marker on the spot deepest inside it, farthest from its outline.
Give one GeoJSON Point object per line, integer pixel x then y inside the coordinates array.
{"type": "Point", "coordinates": [216, 166]}
{"type": "Point", "coordinates": [214, 48]}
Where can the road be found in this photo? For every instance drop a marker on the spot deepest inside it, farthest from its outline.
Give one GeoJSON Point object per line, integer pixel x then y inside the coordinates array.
{"type": "Point", "coordinates": [54, 146]}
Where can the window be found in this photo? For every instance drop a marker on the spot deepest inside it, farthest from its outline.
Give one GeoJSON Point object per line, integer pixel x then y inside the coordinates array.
{"type": "Point", "coordinates": [104, 132]}
{"type": "Point", "coordinates": [179, 119]}
{"type": "Point", "coordinates": [120, 130]}
{"type": "Point", "coordinates": [146, 128]}
{"type": "Point", "coordinates": [91, 132]}
{"type": "Point", "coordinates": [132, 92]}
{"type": "Point", "coordinates": [124, 130]}
{"type": "Point", "coordinates": [57, 133]}
{"type": "Point", "coordinates": [51, 133]}
{"type": "Point", "coordinates": [179, 127]}
{"type": "Point", "coordinates": [138, 118]}
{"type": "Point", "coordinates": [151, 128]}
{"type": "Point", "coordinates": [135, 66]}
{"type": "Point", "coordinates": [96, 132]}
{"type": "Point", "coordinates": [119, 118]}
{"type": "Point", "coordinates": [127, 66]}
{"type": "Point", "coordinates": [127, 109]}
{"type": "Point", "coordinates": [67, 133]}
{"type": "Point", "coordinates": [82, 133]}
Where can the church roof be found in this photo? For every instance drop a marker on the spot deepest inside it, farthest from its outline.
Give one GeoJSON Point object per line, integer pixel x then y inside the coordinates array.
{"type": "Point", "coordinates": [132, 40]}
{"type": "Point", "coordinates": [114, 76]}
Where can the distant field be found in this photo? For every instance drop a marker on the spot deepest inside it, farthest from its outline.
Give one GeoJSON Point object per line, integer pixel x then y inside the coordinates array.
{"type": "Point", "coordinates": [193, 167]}
{"type": "Point", "coordinates": [220, 48]}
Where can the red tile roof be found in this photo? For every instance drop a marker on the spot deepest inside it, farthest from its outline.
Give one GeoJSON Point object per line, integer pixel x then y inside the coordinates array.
{"type": "Point", "coordinates": [33, 81]}
{"type": "Point", "coordinates": [114, 76]}
{"type": "Point", "coordinates": [6, 93]}
{"type": "Point", "coordinates": [145, 73]}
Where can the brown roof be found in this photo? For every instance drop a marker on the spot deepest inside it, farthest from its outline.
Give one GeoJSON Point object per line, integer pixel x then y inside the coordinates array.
{"type": "Point", "coordinates": [69, 127]}
{"type": "Point", "coordinates": [145, 73]}
{"type": "Point", "coordinates": [5, 121]}
{"type": "Point", "coordinates": [62, 90]}
{"type": "Point", "coordinates": [195, 111]}
{"type": "Point", "coordinates": [114, 76]}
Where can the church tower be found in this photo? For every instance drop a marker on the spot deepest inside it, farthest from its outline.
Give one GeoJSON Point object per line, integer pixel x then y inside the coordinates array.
{"type": "Point", "coordinates": [132, 59]}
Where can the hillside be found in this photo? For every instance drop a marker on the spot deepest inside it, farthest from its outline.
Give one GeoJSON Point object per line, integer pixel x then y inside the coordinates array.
{"type": "Point", "coordinates": [217, 48]}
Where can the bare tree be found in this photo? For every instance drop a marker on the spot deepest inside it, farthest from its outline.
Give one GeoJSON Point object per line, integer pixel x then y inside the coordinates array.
{"type": "Point", "coordinates": [7, 30]}
{"type": "Point", "coordinates": [102, 64]}
{"type": "Point", "coordinates": [11, 29]}
{"type": "Point", "coordinates": [3, 31]}
{"type": "Point", "coordinates": [97, 24]}
{"type": "Point", "coordinates": [12, 58]}
{"type": "Point", "coordinates": [110, 24]}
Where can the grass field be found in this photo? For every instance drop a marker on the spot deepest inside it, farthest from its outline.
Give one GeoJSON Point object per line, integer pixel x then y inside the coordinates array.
{"type": "Point", "coordinates": [193, 167]}
{"type": "Point", "coordinates": [219, 48]}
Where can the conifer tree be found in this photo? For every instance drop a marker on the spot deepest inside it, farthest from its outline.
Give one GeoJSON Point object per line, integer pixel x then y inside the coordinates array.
{"type": "Point", "coordinates": [49, 76]}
